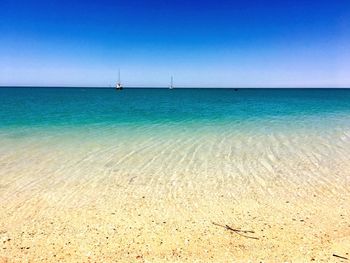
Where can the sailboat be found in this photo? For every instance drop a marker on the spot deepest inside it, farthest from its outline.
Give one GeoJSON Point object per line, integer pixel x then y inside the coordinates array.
{"type": "Point", "coordinates": [171, 83]}
{"type": "Point", "coordinates": [119, 85]}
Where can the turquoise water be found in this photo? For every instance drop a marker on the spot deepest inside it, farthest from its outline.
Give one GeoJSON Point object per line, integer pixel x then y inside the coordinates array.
{"type": "Point", "coordinates": [173, 143]}
{"type": "Point", "coordinates": [55, 107]}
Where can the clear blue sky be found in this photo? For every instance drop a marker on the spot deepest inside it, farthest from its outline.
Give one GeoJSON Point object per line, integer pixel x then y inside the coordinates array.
{"type": "Point", "coordinates": [202, 43]}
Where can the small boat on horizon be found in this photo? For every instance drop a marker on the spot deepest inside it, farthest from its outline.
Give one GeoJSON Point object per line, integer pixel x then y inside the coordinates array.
{"type": "Point", "coordinates": [171, 83]}
{"type": "Point", "coordinates": [119, 85]}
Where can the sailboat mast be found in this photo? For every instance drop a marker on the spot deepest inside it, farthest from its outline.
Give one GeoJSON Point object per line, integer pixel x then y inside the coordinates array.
{"type": "Point", "coordinates": [171, 82]}
{"type": "Point", "coordinates": [119, 85]}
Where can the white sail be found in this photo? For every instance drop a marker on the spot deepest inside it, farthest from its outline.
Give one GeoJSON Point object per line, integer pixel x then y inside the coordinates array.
{"type": "Point", "coordinates": [119, 84]}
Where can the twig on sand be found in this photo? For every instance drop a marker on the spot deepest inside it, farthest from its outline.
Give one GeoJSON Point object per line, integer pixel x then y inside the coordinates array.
{"type": "Point", "coordinates": [337, 256]}
{"type": "Point", "coordinates": [237, 231]}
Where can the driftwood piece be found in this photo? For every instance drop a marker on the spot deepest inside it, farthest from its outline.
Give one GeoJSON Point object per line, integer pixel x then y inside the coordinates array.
{"type": "Point", "coordinates": [337, 256]}
{"type": "Point", "coordinates": [237, 231]}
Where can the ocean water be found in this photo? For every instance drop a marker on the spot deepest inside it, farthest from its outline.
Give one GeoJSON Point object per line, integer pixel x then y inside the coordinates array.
{"type": "Point", "coordinates": [64, 107]}
{"type": "Point", "coordinates": [183, 137]}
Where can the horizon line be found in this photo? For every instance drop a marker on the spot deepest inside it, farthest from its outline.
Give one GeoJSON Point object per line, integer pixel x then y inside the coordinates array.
{"type": "Point", "coordinates": [177, 87]}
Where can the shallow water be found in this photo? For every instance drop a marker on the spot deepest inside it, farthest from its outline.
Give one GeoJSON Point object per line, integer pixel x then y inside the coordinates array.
{"type": "Point", "coordinates": [156, 135]}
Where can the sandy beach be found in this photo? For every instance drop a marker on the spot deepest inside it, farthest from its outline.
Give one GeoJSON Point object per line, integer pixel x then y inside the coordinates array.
{"type": "Point", "coordinates": [147, 228]}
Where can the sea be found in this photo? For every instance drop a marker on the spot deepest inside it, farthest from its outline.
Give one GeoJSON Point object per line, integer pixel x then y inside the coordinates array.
{"type": "Point", "coordinates": [170, 139]}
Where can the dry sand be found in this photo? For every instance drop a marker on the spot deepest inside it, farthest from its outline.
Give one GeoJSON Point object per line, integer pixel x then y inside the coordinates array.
{"type": "Point", "coordinates": [141, 226]}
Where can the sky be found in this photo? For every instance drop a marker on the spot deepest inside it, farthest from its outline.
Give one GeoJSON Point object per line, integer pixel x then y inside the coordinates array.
{"type": "Point", "coordinates": [207, 43]}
